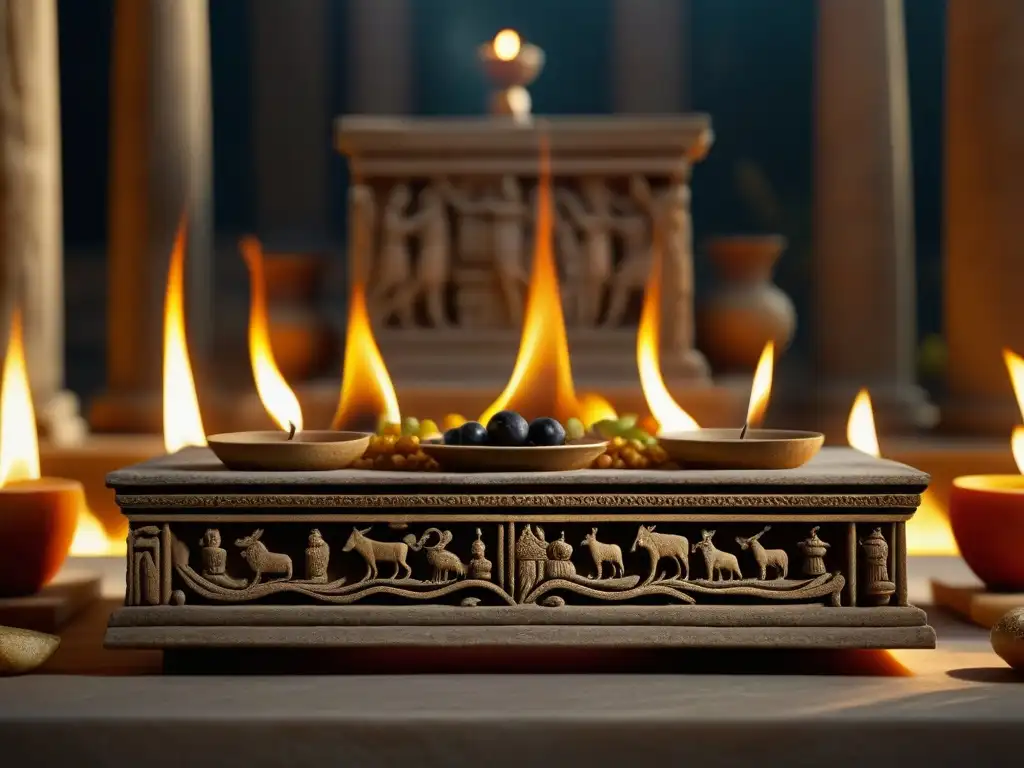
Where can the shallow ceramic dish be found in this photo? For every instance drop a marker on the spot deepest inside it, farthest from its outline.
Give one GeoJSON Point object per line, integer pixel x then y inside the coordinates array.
{"type": "Point", "coordinates": [576, 454]}
{"type": "Point", "coordinates": [723, 448]}
{"type": "Point", "coordinates": [271, 451]}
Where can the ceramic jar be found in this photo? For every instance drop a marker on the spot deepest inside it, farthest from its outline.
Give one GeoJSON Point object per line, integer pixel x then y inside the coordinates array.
{"type": "Point", "coordinates": [746, 309]}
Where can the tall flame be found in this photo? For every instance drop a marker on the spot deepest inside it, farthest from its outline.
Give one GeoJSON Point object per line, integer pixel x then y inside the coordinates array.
{"type": "Point", "coordinates": [663, 407]}
{"type": "Point", "coordinates": [595, 408]}
{"type": "Point", "coordinates": [19, 443]}
{"type": "Point", "coordinates": [507, 44]}
{"type": "Point", "coordinates": [367, 393]}
{"type": "Point", "coordinates": [928, 531]}
{"type": "Point", "coordinates": [1015, 365]}
{"type": "Point", "coordinates": [183, 424]}
{"type": "Point", "coordinates": [275, 394]}
{"type": "Point", "coordinates": [541, 383]}
{"type": "Point", "coordinates": [761, 387]}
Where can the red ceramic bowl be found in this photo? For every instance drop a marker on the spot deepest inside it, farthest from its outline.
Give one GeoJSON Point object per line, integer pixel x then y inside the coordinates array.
{"type": "Point", "coordinates": [986, 513]}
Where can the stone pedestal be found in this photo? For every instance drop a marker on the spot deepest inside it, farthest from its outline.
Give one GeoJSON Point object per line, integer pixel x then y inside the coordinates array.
{"type": "Point", "coordinates": [448, 207]}
{"type": "Point", "coordinates": [864, 252]}
{"type": "Point", "coordinates": [161, 145]}
{"type": "Point", "coordinates": [984, 269]}
{"type": "Point", "coordinates": [31, 216]}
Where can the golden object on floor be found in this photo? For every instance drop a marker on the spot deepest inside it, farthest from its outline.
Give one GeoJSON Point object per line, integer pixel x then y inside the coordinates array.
{"type": "Point", "coordinates": [22, 650]}
{"type": "Point", "coordinates": [1008, 639]}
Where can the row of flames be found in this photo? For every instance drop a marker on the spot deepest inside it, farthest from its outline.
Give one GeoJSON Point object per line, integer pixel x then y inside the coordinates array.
{"type": "Point", "coordinates": [541, 381]}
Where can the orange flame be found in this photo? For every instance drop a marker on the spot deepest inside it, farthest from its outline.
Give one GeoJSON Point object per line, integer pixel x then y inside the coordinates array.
{"type": "Point", "coordinates": [541, 383]}
{"type": "Point", "coordinates": [275, 394]}
{"type": "Point", "coordinates": [761, 387]}
{"type": "Point", "coordinates": [928, 531]}
{"type": "Point", "coordinates": [367, 394]}
{"type": "Point", "coordinates": [663, 407]}
{"type": "Point", "coordinates": [507, 45]}
{"type": "Point", "coordinates": [19, 441]}
{"type": "Point", "coordinates": [595, 408]}
{"type": "Point", "coordinates": [183, 424]}
{"type": "Point", "coordinates": [1015, 366]}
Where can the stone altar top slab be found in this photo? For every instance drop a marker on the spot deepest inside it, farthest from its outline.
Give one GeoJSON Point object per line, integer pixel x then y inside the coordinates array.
{"type": "Point", "coordinates": [833, 470]}
{"type": "Point", "coordinates": [594, 144]}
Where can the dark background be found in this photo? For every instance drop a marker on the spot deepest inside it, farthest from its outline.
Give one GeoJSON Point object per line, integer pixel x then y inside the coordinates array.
{"type": "Point", "coordinates": [751, 68]}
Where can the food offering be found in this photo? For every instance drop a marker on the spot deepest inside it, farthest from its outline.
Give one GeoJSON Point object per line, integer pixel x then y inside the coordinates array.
{"type": "Point", "coordinates": [510, 443]}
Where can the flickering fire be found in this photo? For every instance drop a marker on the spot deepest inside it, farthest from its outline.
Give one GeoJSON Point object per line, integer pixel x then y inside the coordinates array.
{"type": "Point", "coordinates": [595, 408]}
{"type": "Point", "coordinates": [928, 531]}
{"type": "Point", "coordinates": [507, 44]}
{"type": "Point", "coordinates": [541, 383]}
{"type": "Point", "coordinates": [183, 424]}
{"type": "Point", "coordinates": [19, 442]}
{"type": "Point", "coordinates": [275, 394]}
{"type": "Point", "coordinates": [761, 387]}
{"type": "Point", "coordinates": [663, 407]}
{"type": "Point", "coordinates": [367, 393]}
{"type": "Point", "coordinates": [1015, 365]}
{"type": "Point", "coordinates": [92, 541]}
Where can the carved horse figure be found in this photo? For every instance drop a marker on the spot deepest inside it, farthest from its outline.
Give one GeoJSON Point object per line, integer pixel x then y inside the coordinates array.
{"type": "Point", "coordinates": [261, 559]}
{"type": "Point", "coordinates": [604, 553]}
{"type": "Point", "coordinates": [374, 552]}
{"type": "Point", "coordinates": [661, 545]}
{"type": "Point", "coordinates": [766, 558]}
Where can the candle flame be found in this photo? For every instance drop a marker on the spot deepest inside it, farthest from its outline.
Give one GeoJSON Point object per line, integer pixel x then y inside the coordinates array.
{"type": "Point", "coordinates": [663, 407]}
{"type": "Point", "coordinates": [860, 427]}
{"type": "Point", "coordinates": [277, 397]}
{"type": "Point", "coordinates": [183, 424]}
{"type": "Point", "coordinates": [507, 44]}
{"type": "Point", "coordinates": [1015, 366]}
{"type": "Point", "coordinates": [761, 387]}
{"type": "Point", "coordinates": [595, 408]}
{"type": "Point", "coordinates": [19, 442]}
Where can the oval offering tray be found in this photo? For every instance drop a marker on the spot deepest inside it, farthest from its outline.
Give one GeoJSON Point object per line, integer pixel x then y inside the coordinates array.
{"type": "Point", "coordinates": [575, 454]}
{"type": "Point", "coordinates": [724, 449]}
{"type": "Point", "coordinates": [272, 451]}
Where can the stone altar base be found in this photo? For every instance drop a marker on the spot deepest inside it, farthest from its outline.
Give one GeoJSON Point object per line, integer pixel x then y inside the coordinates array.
{"type": "Point", "coordinates": [814, 557]}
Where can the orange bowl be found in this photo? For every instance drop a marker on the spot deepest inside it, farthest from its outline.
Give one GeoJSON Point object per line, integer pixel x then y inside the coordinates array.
{"type": "Point", "coordinates": [37, 525]}
{"type": "Point", "coordinates": [986, 513]}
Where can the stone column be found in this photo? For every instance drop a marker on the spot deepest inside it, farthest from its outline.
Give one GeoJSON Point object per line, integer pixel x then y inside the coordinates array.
{"type": "Point", "coordinates": [380, 67]}
{"type": "Point", "coordinates": [161, 146]}
{"type": "Point", "coordinates": [31, 216]}
{"type": "Point", "coordinates": [864, 314]}
{"type": "Point", "coordinates": [650, 60]}
{"type": "Point", "coordinates": [291, 118]}
{"type": "Point", "coordinates": [984, 190]}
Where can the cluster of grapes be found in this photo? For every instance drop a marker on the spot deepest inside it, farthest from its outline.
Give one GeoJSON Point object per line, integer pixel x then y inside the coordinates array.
{"type": "Point", "coordinates": [631, 445]}
{"type": "Point", "coordinates": [397, 446]}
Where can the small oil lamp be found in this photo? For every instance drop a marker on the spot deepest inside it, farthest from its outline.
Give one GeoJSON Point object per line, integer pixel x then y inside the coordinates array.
{"type": "Point", "coordinates": [511, 65]}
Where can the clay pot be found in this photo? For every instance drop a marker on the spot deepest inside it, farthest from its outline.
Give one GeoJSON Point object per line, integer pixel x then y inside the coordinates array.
{"type": "Point", "coordinates": [986, 514]}
{"type": "Point", "coordinates": [37, 525]}
{"type": "Point", "coordinates": [746, 309]}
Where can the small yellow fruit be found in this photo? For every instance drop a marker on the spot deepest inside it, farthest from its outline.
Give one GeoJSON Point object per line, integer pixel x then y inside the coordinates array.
{"type": "Point", "coordinates": [428, 428]}
{"type": "Point", "coordinates": [398, 461]}
{"type": "Point", "coordinates": [604, 461]}
{"type": "Point", "coordinates": [408, 445]}
{"type": "Point", "coordinates": [453, 420]}
{"type": "Point", "coordinates": [392, 430]}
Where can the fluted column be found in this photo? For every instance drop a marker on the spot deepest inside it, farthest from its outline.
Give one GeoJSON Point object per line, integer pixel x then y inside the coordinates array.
{"type": "Point", "coordinates": [31, 215]}
{"type": "Point", "coordinates": [864, 290]}
{"type": "Point", "coordinates": [161, 153]}
{"type": "Point", "coordinates": [984, 201]}
{"type": "Point", "coordinates": [650, 68]}
{"type": "Point", "coordinates": [380, 70]}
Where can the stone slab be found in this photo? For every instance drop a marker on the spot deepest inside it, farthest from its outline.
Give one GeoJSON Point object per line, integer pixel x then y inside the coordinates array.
{"type": "Point", "coordinates": [833, 470]}
{"type": "Point", "coordinates": [55, 605]}
{"type": "Point", "coordinates": [974, 603]}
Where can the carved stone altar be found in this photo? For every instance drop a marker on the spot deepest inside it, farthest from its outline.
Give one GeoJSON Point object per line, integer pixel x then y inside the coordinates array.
{"type": "Point", "coordinates": [448, 208]}
{"type": "Point", "coordinates": [815, 556]}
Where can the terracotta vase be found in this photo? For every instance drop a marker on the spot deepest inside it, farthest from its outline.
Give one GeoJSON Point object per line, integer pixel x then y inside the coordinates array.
{"type": "Point", "coordinates": [746, 309]}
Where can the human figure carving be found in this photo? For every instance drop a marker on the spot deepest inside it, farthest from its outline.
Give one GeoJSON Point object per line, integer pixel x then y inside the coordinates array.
{"type": "Point", "coordinates": [717, 562]}
{"type": "Point", "coordinates": [262, 560]}
{"type": "Point", "coordinates": [604, 553]}
{"type": "Point", "coordinates": [776, 559]}
{"type": "Point", "coordinates": [374, 552]}
{"type": "Point", "coordinates": [662, 545]}
{"type": "Point", "coordinates": [669, 210]}
{"type": "Point", "coordinates": [390, 293]}
{"type": "Point", "coordinates": [433, 268]}
{"type": "Point", "coordinates": [510, 212]}
{"type": "Point", "coordinates": [634, 227]}
{"type": "Point", "coordinates": [593, 215]}
{"type": "Point", "coordinates": [215, 560]}
{"type": "Point", "coordinates": [318, 555]}
{"type": "Point", "coordinates": [814, 550]}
